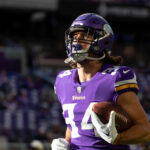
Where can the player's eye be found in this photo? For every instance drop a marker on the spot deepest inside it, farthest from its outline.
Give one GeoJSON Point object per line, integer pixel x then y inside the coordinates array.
{"type": "Point", "coordinates": [81, 36]}
{"type": "Point", "coordinates": [78, 36]}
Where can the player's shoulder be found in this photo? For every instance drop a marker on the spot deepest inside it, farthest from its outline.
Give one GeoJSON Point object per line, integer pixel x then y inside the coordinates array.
{"type": "Point", "coordinates": [64, 76]}
{"type": "Point", "coordinates": [65, 73]}
{"type": "Point", "coordinates": [124, 69]}
{"type": "Point", "coordinates": [62, 79]}
{"type": "Point", "coordinates": [126, 79]}
{"type": "Point", "coordinates": [125, 73]}
{"type": "Point", "coordinates": [120, 73]}
{"type": "Point", "coordinates": [116, 70]}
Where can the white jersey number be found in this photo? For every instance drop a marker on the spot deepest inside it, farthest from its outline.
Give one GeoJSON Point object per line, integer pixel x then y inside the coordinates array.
{"type": "Point", "coordinates": [70, 119]}
{"type": "Point", "coordinates": [112, 71]}
{"type": "Point", "coordinates": [65, 73]}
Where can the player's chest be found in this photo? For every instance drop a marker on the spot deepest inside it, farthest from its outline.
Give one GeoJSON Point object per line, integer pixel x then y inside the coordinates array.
{"type": "Point", "coordinates": [83, 94]}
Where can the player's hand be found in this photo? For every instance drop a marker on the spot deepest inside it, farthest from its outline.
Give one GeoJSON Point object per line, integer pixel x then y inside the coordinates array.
{"type": "Point", "coordinates": [60, 144]}
{"type": "Point", "coordinates": [107, 131]}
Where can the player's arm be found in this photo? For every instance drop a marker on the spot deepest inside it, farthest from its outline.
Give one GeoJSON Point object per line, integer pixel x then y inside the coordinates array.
{"type": "Point", "coordinates": [125, 88]}
{"type": "Point", "coordinates": [62, 143]}
{"type": "Point", "coordinates": [140, 131]}
{"type": "Point", "coordinates": [68, 135]}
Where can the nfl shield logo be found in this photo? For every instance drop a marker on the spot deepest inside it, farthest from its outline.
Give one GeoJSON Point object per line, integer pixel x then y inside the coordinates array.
{"type": "Point", "coordinates": [79, 88]}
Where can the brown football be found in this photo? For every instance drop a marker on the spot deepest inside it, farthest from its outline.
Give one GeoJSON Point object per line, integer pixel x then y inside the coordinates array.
{"type": "Point", "coordinates": [103, 109]}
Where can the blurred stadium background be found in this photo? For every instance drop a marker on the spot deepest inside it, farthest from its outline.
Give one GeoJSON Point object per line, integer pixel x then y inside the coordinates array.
{"type": "Point", "coordinates": [32, 52]}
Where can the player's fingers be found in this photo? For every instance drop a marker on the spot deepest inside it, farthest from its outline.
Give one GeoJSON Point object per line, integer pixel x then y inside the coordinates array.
{"type": "Point", "coordinates": [95, 120]}
{"type": "Point", "coordinates": [64, 141]}
{"type": "Point", "coordinates": [112, 118]}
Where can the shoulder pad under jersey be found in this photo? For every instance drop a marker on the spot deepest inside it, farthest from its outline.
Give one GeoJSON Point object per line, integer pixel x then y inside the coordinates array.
{"type": "Point", "coordinates": [125, 79]}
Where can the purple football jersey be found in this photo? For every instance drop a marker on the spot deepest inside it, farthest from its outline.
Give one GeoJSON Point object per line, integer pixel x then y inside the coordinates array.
{"type": "Point", "coordinates": [77, 100]}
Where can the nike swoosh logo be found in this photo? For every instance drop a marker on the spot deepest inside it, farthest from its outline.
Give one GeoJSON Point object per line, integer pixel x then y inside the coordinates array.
{"type": "Point", "coordinates": [125, 71]}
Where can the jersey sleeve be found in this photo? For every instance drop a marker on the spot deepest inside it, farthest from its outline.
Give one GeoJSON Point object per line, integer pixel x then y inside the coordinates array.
{"type": "Point", "coordinates": [60, 83]}
{"type": "Point", "coordinates": [57, 85]}
{"type": "Point", "coordinates": [125, 81]}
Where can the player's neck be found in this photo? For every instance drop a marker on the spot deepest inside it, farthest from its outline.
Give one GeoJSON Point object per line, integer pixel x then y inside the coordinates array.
{"type": "Point", "coordinates": [87, 70]}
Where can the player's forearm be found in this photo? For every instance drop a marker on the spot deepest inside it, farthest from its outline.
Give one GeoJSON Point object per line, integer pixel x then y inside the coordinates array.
{"type": "Point", "coordinates": [68, 135]}
{"type": "Point", "coordinates": [136, 134]}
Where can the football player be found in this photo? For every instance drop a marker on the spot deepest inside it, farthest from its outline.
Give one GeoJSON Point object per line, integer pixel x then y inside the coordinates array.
{"type": "Point", "coordinates": [96, 76]}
